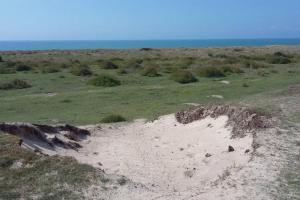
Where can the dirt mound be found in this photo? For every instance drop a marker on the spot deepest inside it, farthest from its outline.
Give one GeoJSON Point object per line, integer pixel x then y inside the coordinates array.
{"type": "Point", "coordinates": [242, 119]}
{"type": "Point", "coordinates": [65, 136]}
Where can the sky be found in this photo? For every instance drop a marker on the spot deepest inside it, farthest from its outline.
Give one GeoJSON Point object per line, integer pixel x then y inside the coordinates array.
{"type": "Point", "coordinates": [148, 19]}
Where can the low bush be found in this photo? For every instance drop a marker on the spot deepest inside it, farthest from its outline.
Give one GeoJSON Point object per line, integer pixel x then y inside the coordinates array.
{"type": "Point", "coordinates": [23, 67]}
{"type": "Point", "coordinates": [150, 71]}
{"type": "Point", "coordinates": [211, 72]}
{"type": "Point", "coordinates": [245, 85]}
{"type": "Point", "coordinates": [1, 59]}
{"type": "Point", "coordinates": [183, 76]}
{"type": "Point", "coordinates": [255, 65]}
{"type": "Point", "coordinates": [108, 65]}
{"type": "Point", "coordinates": [104, 81]}
{"type": "Point", "coordinates": [113, 119]}
{"type": "Point", "coordinates": [279, 60]}
{"type": "Point", "coordinates": [262, 73]}
{"type": "Point", "coordinates": [6, 68]}
{"type": "Point", "coordinates": [51, 69]}
{"type": "Point", "coordinates": [81, 70]}
{"type": "Point", "coordinates": [132, 66]}
{"type": "Point", "coordinates": [14, 84]}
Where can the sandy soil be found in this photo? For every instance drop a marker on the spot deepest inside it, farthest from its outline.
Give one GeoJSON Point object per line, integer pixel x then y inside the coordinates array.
{"type": "Point", "coordinates": [170, 159]}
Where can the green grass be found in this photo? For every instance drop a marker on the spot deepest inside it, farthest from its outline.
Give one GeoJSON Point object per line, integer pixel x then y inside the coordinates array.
{"type": "Point", "coordinates": [45, 177]}
{"type": "Point", "coordinates": [113, 119]}
{"type": "Point", "coordinates": [75, 101]}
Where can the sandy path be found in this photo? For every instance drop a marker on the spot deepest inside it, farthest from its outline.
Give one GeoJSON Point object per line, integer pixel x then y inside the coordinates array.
{"type": "Point", "coordinates": [166, 156]}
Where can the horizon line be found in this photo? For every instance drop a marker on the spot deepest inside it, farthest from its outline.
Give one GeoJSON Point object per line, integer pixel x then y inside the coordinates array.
{"type": "Point", "coordinates": [83, 40]}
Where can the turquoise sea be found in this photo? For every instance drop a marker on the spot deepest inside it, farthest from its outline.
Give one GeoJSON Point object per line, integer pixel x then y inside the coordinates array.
{"type": "Point", "coordinates": [128, 44]}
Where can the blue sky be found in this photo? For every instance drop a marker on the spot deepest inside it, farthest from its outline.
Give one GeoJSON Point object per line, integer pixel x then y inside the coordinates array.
{"type": "Point", "coordinates": [148, 19]}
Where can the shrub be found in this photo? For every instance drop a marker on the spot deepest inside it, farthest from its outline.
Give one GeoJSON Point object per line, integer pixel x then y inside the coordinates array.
{"type": "Point", "coordinates": [183, 76]}
{"type": "Point", "coordinates": [262, 73]}
{"type": "Point", "coordinates": [132, 66]}
{"type": "Point", "coordinates": [150, 71]}
{"type": "Point", "coordinates": [245, 85]}
{"type": "Point", "coordinates": [15, 84]}
{"type": "Point", "coordinates": [280, 54]}
{"type": "Point", "coordinates": [113, 119]}
{"type": "Point", "coordinates": [227, 69]}
{"type": "Point", "coordinates": [255, 65]}
{"type": "Point", "coordinates": [146, 49]}
{"type": "Point", "coordinates": [211, 72]}
{"type": "Point", "coordinates": [104, 81]}
{"type": "Point", "coordinates": [51, 69]}
{"type": "Point", "coordinates": [81, 70]}
{"type": "Point", "coordinates": [23, 67]}
{"type": "Point", "coordinates": [279, 60]}
{"type": "Point", "coordinates": [6, 68]}
{"type": "Point", "coordinates": [108, 65]}
{"type": "Point", "coordinates": [1, 59]}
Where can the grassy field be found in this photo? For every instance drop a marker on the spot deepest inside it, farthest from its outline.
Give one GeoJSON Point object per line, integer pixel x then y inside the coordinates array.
{"type": "Point", "coordinates": [61, 96]}
{"type": "Point", "coordinates": [57, 88]}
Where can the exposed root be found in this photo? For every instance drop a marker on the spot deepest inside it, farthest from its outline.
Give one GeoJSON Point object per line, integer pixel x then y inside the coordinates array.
{"type": "Point", "coordinates": [65, 136]}
{"type": "Point", "coordinates": [242, 119]}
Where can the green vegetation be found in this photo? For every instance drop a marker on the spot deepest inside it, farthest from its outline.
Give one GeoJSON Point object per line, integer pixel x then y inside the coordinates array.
{"type": "Point", "coordinates": [137, 95]}
{"type": "Point", "coordinates": [113, 119]}
{"type": "Point", "coordinates": [150, 71]}
{"type": "Point", "coordinates": [183, 76]}
{"type": "Point", "coordinates": [48, 177]}
{"type": "Point", "coordinates": [108, 65]}
{"type": "Point", "coordinates": [211, 72]}
{"type": "Point", "coordinates": [1, 59]}
{"type": "Point", "coordinates": [23, 67]}
{"type": "Point", "coordinates": [14, 84]}
{"type": "Point", "coordinates": [81, 70]}
{"type": "Point", "coordinates": [104, 81]}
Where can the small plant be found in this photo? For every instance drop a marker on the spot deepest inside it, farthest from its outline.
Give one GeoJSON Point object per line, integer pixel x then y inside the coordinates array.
{"type": "Point", "coordinates": [279, 60]}
{"type": "Point", "coordinates": [183, 77]}
{"type": "Point", "coordinates": [1, 59]}
{"type": "Point", "coordinates": [66, 101]}
{"type": "Point", "coordinates": [81, 70]}
{"type": "Point", "coordinates": [108, 65]}
{"type": "Point", "coordinates": [122, 181]}
{"type": "Point", "coordinates": [245, 85]}
{"type": "Point", "coordinates": [211, 72]}
{"type": "Point", "coordinates": [51, 70]}
{"type": "Point", "coordinates": [113, 119]}
{"type": "Point", "coordinates": [274, 71]}
{"type": "Point", "coordinates": [150, 71]}
{"type": "Point", "coordinates": [6, 68]}
{"type": "Point", "coordinates": [104, 81]}
{"type": "Point", "coordinates": [22, 67]}
{"type": "Point", "coordinates": [262, 73]}
{"type": "Point", "coordinates": [15, 84]}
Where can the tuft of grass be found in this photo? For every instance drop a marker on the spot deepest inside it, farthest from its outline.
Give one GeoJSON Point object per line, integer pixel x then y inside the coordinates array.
{"type": "Point", "coordinates": [23, 67]}
{"type": "Point", "coordinates": [150, 71]}
{"type": "Point", "coordinates": [211, 72]}
{"type": "Point", "coordinates": [81, 70]}
{"type": "Point", "coordinates": [183, 76]}
{"type": "Point", "coordinates": [245, 85]}
{"type": "Point", "coordinates": [279, 60]}
{"type": "Point", "coordinates": [113, 119]}
{"type": "Point", "coordinates": [15, 84]}
{"type": "Point", "coordinates": [104, 80]}
{"type": "Point", "coordinates": [51, 70]}
{"type": "Point", "coordinates": [108, 65]}
{"type": "Point", "coordinates": [7, 68]}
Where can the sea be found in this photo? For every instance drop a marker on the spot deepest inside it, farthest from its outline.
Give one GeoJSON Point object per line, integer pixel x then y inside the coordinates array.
{"type": "Point", "coordinates": [131, 44]}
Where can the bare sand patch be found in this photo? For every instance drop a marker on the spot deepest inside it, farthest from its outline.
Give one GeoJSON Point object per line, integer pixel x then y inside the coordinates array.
{"type": "Point", "coordinates": [165, 155]}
